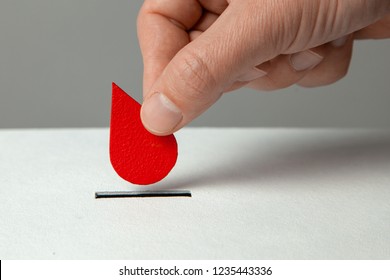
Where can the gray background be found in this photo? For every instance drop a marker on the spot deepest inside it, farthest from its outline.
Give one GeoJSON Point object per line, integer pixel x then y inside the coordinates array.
{"type": "Point", "coordinates": [58, 59]}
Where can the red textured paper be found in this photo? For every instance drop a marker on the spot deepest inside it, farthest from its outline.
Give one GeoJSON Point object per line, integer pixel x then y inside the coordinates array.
{"type": "Point", "coordinates": [137, 155]}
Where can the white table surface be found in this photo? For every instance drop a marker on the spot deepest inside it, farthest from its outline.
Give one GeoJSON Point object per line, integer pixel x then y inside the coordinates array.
{"type": "Point", "coordinates": [257, 194]}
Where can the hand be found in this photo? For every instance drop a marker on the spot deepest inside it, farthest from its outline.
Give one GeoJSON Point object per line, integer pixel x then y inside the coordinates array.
{"type": "Point", "coordinates": [195, 50]}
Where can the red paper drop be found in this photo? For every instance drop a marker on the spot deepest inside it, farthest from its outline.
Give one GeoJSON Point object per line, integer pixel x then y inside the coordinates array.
{"type": "Point", "coordinates": [137, 155]}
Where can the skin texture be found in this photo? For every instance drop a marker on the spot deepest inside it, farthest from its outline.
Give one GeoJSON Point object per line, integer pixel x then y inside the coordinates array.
{"type": "Point", "coordinates": [196, 50]}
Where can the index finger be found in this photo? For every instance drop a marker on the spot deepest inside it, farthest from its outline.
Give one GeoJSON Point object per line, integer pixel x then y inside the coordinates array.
{"type": "Point", "coordinates": [162, 31]}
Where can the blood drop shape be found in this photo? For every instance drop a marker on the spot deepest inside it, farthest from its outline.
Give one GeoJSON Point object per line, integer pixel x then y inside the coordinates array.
{"type": "Point", "coordinates": [137, 155]}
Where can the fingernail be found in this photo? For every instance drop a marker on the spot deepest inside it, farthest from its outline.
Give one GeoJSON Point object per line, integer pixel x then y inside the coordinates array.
{"type": "Point", "coordinates": [159, 114]}
{"type": "Point", "coordinates": [251, 75]}
{"type": "Point", "coordinates": [305, 60]}
{"type": "Point", "coordinates": [338, 43]}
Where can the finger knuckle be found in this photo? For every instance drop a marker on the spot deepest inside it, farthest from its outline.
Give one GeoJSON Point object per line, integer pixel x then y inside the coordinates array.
{"type": "Point", "coordinates": [194, 74]}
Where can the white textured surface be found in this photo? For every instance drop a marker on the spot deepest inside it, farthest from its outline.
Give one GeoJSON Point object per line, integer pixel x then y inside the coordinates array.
{"type": "Point", "coordinates": [257, 193]}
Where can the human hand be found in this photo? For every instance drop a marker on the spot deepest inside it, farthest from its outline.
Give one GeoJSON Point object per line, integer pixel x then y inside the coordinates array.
{"type": "Point", "coordinates": [195, 50]}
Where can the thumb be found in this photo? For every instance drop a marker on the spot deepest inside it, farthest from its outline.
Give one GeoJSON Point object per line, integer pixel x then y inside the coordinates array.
{"type": "Point", "coordinates": [199, 73]}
